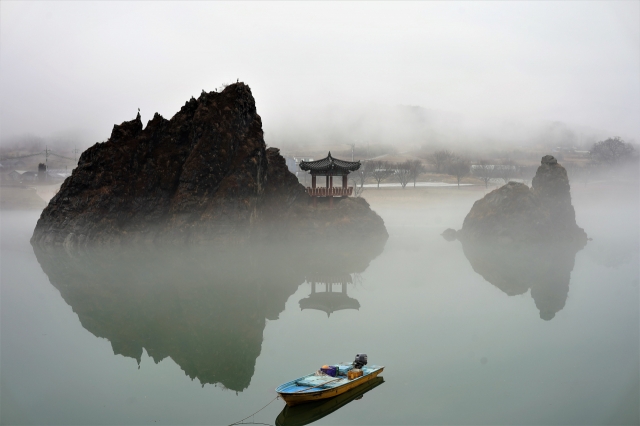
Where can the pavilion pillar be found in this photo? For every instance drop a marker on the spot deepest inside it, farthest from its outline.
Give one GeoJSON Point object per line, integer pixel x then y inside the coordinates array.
{"type": "Point", "coordinates": [344, 186]}
{"type": "Point", "coordinates": [313, 287]}
{"type": "Point", "coordinates": [313, 186]}
{"type": "Point", "coordinates": [331, 192]}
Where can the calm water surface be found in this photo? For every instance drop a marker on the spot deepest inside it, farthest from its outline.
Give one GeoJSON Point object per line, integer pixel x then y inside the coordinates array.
{"type": "Point", "coordinates": [193, 337]}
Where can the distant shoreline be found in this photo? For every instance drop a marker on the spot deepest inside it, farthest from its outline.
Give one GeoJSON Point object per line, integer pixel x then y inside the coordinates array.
{"type": "Point", "coordinates": [397, 185]}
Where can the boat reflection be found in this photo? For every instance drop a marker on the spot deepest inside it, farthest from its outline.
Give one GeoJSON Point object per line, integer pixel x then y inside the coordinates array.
{"type": "Point", "coordinates": [305, 414]}
{"type": "Point", "coordinates": [204, 307]}
{"type": "Point", "coordinates": [543, 269]}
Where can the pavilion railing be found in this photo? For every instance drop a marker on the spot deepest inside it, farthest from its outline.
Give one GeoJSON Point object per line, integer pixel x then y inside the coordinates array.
{"type": "Point", "coordinates": [330, 192]}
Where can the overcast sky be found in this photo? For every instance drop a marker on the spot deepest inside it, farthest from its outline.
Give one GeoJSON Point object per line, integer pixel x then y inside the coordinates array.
{"type": "Point", "coordinates": [77, 68]}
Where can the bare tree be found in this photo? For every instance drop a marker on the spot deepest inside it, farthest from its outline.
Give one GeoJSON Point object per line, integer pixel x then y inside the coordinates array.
{"type": "Point", "coordinates": [381, 171]}
{"type": "Point", "coordinates": [458, 167]}
{"type": "Point", "coordinates": [506, 170]}
{"type": "Point", "coordinates": [416, 168]}
{"type": "Point", "coordinates": [360, 176]}
{"type": "Point", "coordinates": [485, 171]}
{"type": "Point", "coordinates": [611, 151]}
{"type": "Point", "coordinates": [440, 159]}
{"type": "Point", "coordinates": [402, 172]}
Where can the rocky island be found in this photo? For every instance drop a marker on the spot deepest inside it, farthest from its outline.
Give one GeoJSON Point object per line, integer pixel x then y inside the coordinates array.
{"type": "Point", "coordinates": [516, 213]}
{"type": "Point", "coordinates": [519, 238]}
{"type": "Point", "coordinates": [205, 175]}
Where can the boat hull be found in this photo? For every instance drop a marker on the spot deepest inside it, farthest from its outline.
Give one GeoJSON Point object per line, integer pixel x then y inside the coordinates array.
{"type": "Point", "coordinates": [305, 414]}
{"type": "Point", "coordinates": [301, 398]}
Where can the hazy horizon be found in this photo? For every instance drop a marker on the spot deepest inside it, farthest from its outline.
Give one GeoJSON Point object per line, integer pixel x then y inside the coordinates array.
{"type": "Point", "coordinates": [327, 71]}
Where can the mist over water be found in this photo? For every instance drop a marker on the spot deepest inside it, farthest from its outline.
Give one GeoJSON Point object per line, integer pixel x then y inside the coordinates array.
{"type": "Point", "coordinates": [468, 333]}
{"type": "Point", "coordinates": [466, 336]}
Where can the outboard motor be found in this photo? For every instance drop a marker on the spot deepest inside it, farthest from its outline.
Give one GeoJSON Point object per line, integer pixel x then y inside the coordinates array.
{"type": "Point", "coordinates": [361, 361]}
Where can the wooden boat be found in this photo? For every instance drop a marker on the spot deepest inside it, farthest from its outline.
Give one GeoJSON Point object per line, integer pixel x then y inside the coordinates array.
{"type": "Point", "coordinates": [305, 414]}
{"type": "Point", "coordinates": [313, 387]}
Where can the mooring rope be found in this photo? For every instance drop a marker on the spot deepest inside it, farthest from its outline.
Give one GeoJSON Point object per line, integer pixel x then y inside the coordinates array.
{"type": "Point", "coordinates": [240, 421]}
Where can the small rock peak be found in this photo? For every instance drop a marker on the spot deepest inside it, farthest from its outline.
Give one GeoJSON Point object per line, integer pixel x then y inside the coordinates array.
{"type": "Point", "coordinates": [549, 159]}
{"type": "Point", "coordinates": [127, 128]}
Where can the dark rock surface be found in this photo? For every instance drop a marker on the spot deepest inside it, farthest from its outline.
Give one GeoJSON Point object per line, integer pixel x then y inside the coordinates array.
{"type": "Point", "coordinates": [203, 176]}
{"type": "Point", "coordinates": [515, 213]}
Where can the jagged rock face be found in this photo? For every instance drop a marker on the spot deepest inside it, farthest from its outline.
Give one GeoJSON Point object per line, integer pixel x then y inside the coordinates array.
{"type": "Point", "coordinates": [205, 175]}
{"type": "Point", "coordinates": [515, 213]}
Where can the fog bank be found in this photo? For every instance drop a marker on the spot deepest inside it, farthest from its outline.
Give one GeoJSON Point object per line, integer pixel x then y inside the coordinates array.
{"type": "Point", "coordinates": [78, 68]}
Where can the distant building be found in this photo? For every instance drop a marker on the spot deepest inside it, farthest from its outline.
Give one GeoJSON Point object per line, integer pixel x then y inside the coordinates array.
{"type": "Point", "coordinates": [493, 167]}
{"type": "Point", "coordinates": [23, 176]}
{"type": "Point", "coordinates": [42, 172]}
{"type": "Point", "coordinates": [292, 164]}
{"type": "Point", "coordinates": [569, 149]}
{"type": "Point", "coordinates": [299, 160]}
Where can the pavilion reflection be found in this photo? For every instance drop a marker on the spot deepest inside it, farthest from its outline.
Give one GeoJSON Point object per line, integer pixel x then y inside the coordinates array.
{"type": "Point", "coordinates": [543, 269]}
{"type": "Point", "coordinates": [205, 308]}
{"type": "Point", "coordinates": [328, 300]}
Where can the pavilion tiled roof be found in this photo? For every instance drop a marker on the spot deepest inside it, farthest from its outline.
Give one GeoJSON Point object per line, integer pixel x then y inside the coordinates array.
{"type": "Point", "coordinates": [330, 164]}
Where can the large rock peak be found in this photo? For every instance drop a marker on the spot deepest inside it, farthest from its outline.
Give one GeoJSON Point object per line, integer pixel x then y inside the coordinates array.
{"type": "Point", "coordinates": [204, 175]}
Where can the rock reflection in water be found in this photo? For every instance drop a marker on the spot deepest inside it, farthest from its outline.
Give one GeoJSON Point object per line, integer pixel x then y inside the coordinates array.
{"type": "Point", "coordinates": [204, 308]}
{"type": "Point", "coordinates": [544, 269]}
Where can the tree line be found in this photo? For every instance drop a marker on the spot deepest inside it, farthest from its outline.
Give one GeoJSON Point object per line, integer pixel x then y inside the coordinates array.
{"type": "Point", "coordinates": [605, 156]}
{"type": "Point", "coordinates": [609, 153]}
{"type": "Point", "coordinates": [402, 172]}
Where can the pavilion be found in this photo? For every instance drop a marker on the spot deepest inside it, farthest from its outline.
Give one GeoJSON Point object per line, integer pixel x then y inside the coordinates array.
{"type": "Point", "coordinates": [329, 167]}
